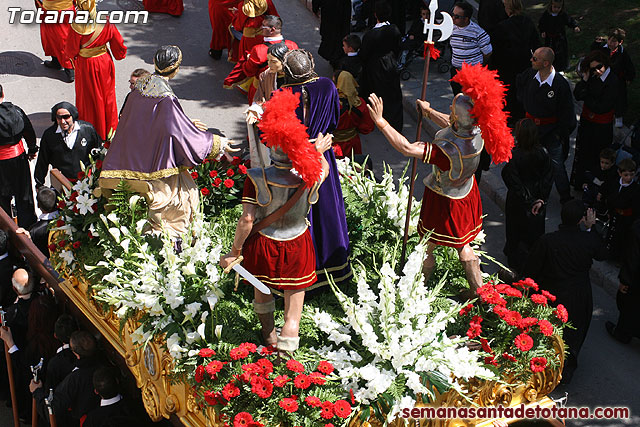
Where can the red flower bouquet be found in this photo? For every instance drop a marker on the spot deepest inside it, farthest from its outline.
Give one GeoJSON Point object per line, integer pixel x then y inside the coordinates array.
{"type": "Point", "coordinates": [220, 183]}
{"type": "Point", "coordinates": [515, 325]}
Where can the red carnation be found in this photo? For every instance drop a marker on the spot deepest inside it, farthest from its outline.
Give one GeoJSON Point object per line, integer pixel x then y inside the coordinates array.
{"type": "Point", "coordinates": [61, 204]}
{"type": "Point", "coordinates": [206, 352]}
{"type": "Point", "coordinates": [199, 376]}
{"type": "Point", "coordinates": [326, 410]}
{"type": "Point", "coordinates": [313, 401]}
{"type": "Point", "coordinates": [52, 247]}
{"type": "Point", "coordinates": [539, 299]}
{"type": "Point", "coordinates": [62, 243]}
{"type": "Point", "coordinates": [211, 398]}
{"type": "Point", "coordinates": [228, 183]}
{"type": "Point", "coordinates": [205, 191]}
{"type": "Point", "coordinates": [59, 222]}
{"type": "Point", "coordinates": [76, 245]}
{"type": "Point", "coordinates": [265, 365]}
{"type": "Point", "coordinates": [217, 182]}
{"type": "Point", "coordinates": [236, 160]}
{"type": "Point", "coordinates": [500, 310]}
{"type": "Point", "coordinates": [242, 169]}
{"type": "Point", "coordinates": [490, 360]}
{"type": "Point", "coordinates": [528, 282]}
{"type": "Point", "coordinates": [524, 342]}
{"type": "Point", "coordinates": [466, 309]}
{"type": "Point", "coordinates": [295, 366]}
{"type": "Point", "coordinates": [508, 357]}
{"type": "Point", "coordinates": [281, 380]}
{"type": "Point", "coordinates": [317, 378]}
{"type": "Point", "coordinates": [268, 350]}
{"type": "Point", "coordinates": [230, 391]}
{"type": "Point", "coordinates": [81, 175]}
{"type": "Point", "coordinates": [329, 424]}
{"type": "Point", "coordinates": [485, 345]}
{"type": "Point", "coordinates": [238, 353]}
{"type": "Point", "coordinates": [213, 174]}
{"type": "Point", "coordinates": [213, 368]}
{"type": "Point", "coordinates": [194, 175]}
{"type": "Point", "coordinates": [99, 164]}
{"type": "Point", "coordinates": [230, 172]}
{"type": "Point", "coordinates": [325, 367]}
{"type": "Point", "coordinates": [512, 318]}
{"type": "Point", "coordinates": [513, 292]}
{"type": "Point", "coordinates": [561, 313]}
{"type": "Point", "coordinates": [249, 346]}
{"type": "Point", "coordinates": [242, 419]}
{"type": "Point", "coordinates": [527, 322]}
{"type": "Point", "coordinates": [477, 319]}
{"type": "Point", "coordinates": [288, 404]}
{"type": "Point", "coordinates": [262, 387]}
{"type": "Point", "coordinates": [538, 364]}
{"type": "Point", "coordinates": [302, 381]}
{"type": "Point", "coordinates": [342, 408]}
{"type": "Point", "coordinates": [474, 330]}
{"type": "Point", "coordinates": [549, 295]}
{"type": "Point", "coordinates": [545, 327]}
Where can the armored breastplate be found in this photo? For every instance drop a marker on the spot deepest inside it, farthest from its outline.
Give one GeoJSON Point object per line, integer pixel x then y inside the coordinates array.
{"type": "Point", "coordinates": [275, 185]}
{"type": "Point", "coordinates": [464, 156]}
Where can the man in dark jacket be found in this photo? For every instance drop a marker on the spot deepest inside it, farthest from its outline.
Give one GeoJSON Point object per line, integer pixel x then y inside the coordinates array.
{"type": "Point", "coordinates": [65, 144]}
{"type": "Point", "coordinates": [39, 232]}
{"type": "Point", "coordinates": [15, 175]}
{"type": "Point", "coordinates": [113, 409]}
{"type": "Point", "coordinates": [75, 393]}
{"type": "Point", "coordinates": [560, 262]}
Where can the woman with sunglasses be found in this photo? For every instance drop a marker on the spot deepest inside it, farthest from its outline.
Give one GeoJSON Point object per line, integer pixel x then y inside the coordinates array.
{"type": "Point", "coordinates": [599, 88]}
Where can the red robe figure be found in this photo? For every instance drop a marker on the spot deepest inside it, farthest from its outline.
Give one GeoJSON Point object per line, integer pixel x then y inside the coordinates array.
{"type": "Point", "coordinates": [172, 7]}
{"type": "Point", "coordinates": [220, 16]}
{"type": "Point", "coordinates": [53, 36]}
{"type": "Point", "coordinates": [95, 80]}
{"type": "Point", "coordinates": [248, 22]}
{"type": "Point", "coordinates": [451, 213]}
{"type": "Point", "coordinates": [354, 118]}
{"type": "Point", "coordinates": [244, 75]}
{"type": "Point", "coordinates": [279, 251]}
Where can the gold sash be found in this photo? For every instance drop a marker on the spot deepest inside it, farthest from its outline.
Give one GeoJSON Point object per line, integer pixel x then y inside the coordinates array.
{"type": "Point", "coordinates": [92, 52]}
{"type": "Point", "coordinates": [57, 4]}
{"type": "Point", "coordinates": [251, 31]}
{"type": "Point", "coordinates": [344, 134]}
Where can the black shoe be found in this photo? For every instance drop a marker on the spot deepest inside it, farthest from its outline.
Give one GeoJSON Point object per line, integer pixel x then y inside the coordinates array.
{"type": "Point", "coordinates": [215, 54]}
{"type": "Point", "coordinates": [611, 329]}
{"type": "Point", "coordinates": [70, 75]}
{"type": "Point", "coordinates": [53, 64]}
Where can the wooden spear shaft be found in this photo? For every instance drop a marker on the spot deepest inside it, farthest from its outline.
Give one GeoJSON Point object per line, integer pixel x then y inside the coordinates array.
{"type": "Point", "coordinates": [12, 386]}
{"type": "Point", "coordinates": [414, 162]}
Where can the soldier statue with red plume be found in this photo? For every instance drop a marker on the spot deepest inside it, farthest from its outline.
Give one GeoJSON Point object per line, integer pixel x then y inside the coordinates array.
{"type": "Point", "coordinates": [451, 213]}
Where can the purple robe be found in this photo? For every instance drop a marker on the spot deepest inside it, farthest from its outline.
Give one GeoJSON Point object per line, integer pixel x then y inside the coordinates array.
{"type": "Point", "coordinates": [154, 139]}
{"type": "Point", "coordinates": [327, 217]}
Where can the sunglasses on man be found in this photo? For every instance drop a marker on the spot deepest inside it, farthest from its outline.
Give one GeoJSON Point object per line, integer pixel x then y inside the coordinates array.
{"type": "Point", "coordinates": [63, 116]}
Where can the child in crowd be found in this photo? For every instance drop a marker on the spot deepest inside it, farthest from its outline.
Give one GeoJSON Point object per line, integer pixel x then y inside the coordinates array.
{"type": "Point", "coordinates": [351, 62]}
{"type": "Point", "coordinates": [593, 180]}
{"type": "Point", "coordinates": [552, 25]}
{"type": "Point", "coordinates": [621, 65]}
{"type": "Point", "coordinates": [622, 198]}
{"type": "Point", "coordinates": [415, 37]}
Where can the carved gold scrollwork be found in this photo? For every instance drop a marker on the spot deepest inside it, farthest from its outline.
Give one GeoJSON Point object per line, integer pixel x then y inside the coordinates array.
{"type": "Point", "coordinates": [171, 404]}
{"type": "Point", "coordinates": [151, 401]}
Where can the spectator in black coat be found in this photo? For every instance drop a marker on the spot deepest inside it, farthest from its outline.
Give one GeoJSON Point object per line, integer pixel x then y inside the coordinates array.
{"type": "Point", "coordinates": [490, 14]}
{"type": "Point", "coordinates": [113, 409]}
{"type": "Point", "coordinates": [351, 61]}
{"type": "Point", "coordinates": [63, 362]}
{"type": "Point", "coordinates": [552, 26]}
{"type": "Point", "coordinates": [75, 393]}
{"type": "Point", "coordinates": [621, 65]}
{"type": "Point", "coordinates": [628, 298]}
{"type": "Point", "coordinates": [560, 262]}
{"type": "Point", "coordinates": [528, 177]}
{"type": "Point", "coordinates": [39, 232]}
{"type": "Point", "coordinates": [335, 23]}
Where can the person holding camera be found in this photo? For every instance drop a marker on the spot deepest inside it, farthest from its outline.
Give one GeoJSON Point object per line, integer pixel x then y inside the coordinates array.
{"type": "Point", "coordinates": [599, 88]}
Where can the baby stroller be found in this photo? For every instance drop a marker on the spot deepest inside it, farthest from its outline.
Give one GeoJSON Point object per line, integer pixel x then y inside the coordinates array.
{"type": "Point", "coordinates": [406, 57]}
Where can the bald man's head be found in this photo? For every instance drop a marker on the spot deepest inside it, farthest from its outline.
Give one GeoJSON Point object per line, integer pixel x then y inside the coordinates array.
{"type": "Point", "coordinates": [22, 281]}
{"type": "Point", "coordinates": [542, 58]}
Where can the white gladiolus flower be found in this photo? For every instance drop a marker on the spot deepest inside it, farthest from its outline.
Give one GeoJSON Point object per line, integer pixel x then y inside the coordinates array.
{"type": "Point", "coordinates": [85, 203]}
{"type": "Point", "coordinates": [173, 345]}
{"type": "Point", "coordinates": [67, 256]}
{"type": "Point", "coordinates": [218, 331]}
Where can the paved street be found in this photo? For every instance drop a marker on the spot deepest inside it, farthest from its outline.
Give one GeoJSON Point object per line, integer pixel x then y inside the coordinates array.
{"type": "Point", "coordinates": [608, 371]}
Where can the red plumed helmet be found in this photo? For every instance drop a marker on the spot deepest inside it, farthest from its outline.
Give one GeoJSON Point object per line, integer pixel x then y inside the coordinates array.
{"type": "Point", "coordinates": [281, 127]}
{"type": "Point", "coordinates": [488, 94]}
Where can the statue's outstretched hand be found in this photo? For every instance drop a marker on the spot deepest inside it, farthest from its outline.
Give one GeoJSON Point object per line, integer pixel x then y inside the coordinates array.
{"type": "Point", "coordinates": [323, 142]}
{"type": "Point", "coordinates": [227, 148]}
{"type": "Point", "coordinates": [201, 126]}
{"type": "Point", "coordinates": [375, 109]}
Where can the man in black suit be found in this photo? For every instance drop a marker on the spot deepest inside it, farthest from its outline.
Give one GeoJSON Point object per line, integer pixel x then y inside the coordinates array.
{"type": "Point", "coordinates": [75, 393]}
{"type": "Point", "coordinates": [113, 409]}
{"type": "Point", "coordinates": [64, 361]}
{"type": "Point", "coordinates": [39, 232]}
{"type": "Point", "coordinates": [65, 144]}
{"type": "Point", "coordinates": [6, 271]}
